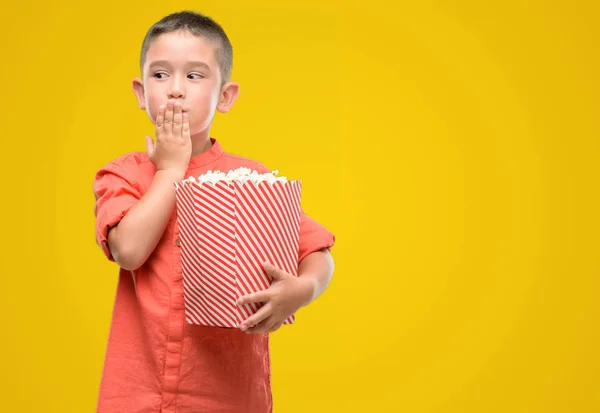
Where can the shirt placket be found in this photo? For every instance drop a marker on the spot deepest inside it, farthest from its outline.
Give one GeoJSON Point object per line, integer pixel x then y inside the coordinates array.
{"type": "Point", "coordinates": [175, 328]}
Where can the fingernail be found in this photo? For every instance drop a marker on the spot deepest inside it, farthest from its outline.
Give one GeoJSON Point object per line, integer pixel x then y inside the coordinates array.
{"type": "Point", "coordinates": [243, 327]}
{"type": "Point", "coordinates": [240, 301]}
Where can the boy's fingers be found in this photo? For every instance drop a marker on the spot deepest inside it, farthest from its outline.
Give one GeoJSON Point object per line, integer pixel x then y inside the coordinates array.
{"type": "Point", "coordinates": [185, 130]}
{"type": "Point", "coordinates": [266, 325]}
{"type": "Point", "coordinates": [275, 327]}
{"type": "Point", "coordinates": [149, 146]}
{"type": "Point", "coordinates": [177, 119]}
{"type": "Point", "coordinates": [273, 271]}
{"type": "Point", "coordinates": [257, 297]}
{"type": "Point", "coordinates": [257, 317]}
{"type": "Point", "coordinates": [168, 125]}
{"type": "Point", "coordinates": [160, 116]}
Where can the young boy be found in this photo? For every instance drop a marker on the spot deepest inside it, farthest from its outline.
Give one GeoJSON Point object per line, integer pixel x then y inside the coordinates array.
{"type": "Point", "coordinates": [155, 360]}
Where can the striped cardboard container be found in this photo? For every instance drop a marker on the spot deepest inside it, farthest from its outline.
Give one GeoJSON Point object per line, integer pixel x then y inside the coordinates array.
{"type": "Point", "coordinates": [227, 231]}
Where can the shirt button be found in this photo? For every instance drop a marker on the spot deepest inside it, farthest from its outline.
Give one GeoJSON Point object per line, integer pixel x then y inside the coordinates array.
{"type": "Point", "coordinates": [178, 242]}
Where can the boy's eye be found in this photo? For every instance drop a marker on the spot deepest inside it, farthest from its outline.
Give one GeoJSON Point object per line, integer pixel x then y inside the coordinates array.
{"type": "Point", "coordinates": [197, 75]}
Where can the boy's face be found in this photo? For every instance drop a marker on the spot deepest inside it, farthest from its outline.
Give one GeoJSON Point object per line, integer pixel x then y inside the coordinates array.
{"type": "Point", "coordinates": [184, 67]}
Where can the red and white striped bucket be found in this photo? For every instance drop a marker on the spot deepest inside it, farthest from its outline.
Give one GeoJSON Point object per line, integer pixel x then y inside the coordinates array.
{"type": "Point", "coordinates": [227, 231]}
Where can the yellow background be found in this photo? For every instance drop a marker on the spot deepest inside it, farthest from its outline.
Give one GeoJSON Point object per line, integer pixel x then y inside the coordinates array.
{"type": "Point", "coordinates": [451, 146]}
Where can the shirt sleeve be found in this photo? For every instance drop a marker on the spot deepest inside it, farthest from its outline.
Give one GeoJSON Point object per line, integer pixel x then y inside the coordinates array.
{"type": "Point", "coordinates": [313, 237]}
{"type": "Point", "coordinates": [116, 191]}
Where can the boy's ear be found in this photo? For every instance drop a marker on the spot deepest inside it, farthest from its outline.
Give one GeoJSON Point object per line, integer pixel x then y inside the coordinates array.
{"type": "Point", "coordinates": [138, 89]}
{"type": "Point", "coordinates": [229, 93]}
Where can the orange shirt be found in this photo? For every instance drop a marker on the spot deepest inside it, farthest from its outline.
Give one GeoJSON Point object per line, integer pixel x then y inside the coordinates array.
{"type": "Point", "coordinates": [156, 361]}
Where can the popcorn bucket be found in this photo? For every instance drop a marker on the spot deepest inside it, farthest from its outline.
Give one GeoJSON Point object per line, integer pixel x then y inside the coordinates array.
{"type": "Point", "coordinates": [228, 228]}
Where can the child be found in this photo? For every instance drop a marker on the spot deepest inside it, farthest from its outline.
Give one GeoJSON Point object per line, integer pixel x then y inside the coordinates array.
{"type": "Point", "coordinates": [155, 360]}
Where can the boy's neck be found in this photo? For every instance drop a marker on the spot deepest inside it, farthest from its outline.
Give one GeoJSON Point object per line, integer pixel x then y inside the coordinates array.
{"type": "Point", "coordinates": [200, 143]}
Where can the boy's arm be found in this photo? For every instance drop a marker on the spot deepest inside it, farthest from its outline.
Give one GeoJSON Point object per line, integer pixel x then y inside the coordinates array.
{"type": "Point", "coordinates": [316, 269]}
{"type": "Point", "coordinates": [132, 241]}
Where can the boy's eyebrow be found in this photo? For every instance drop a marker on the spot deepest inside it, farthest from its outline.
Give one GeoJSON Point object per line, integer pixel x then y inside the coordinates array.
{"type": "Point", "coordinates": [189, 63]}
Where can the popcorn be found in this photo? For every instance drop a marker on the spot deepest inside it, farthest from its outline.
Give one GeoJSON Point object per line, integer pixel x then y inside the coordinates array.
{"type": "Point", "coordinates": [241, 174]}
{"type": "Point", "coordinates": [230, 223]}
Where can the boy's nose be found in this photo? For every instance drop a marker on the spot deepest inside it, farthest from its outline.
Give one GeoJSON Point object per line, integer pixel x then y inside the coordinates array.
{"type": "Point", "coordinates": [175, 93]}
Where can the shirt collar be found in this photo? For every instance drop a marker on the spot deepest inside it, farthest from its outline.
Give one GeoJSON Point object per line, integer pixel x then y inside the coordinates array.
{"type": "Point", "coordinates": [214, 153]}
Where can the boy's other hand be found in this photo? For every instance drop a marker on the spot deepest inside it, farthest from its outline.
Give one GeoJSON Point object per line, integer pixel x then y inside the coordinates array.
{"type": "Point", "coordinates": [286, 295]}
{"type": "Point", "coordinates": [173, 147]}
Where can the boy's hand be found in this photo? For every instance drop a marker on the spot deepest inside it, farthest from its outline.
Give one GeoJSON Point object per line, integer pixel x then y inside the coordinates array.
{"type": "Point", "coordinates": [173, 147]}
{"type": "Point", "coordinates": [283, 298]}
